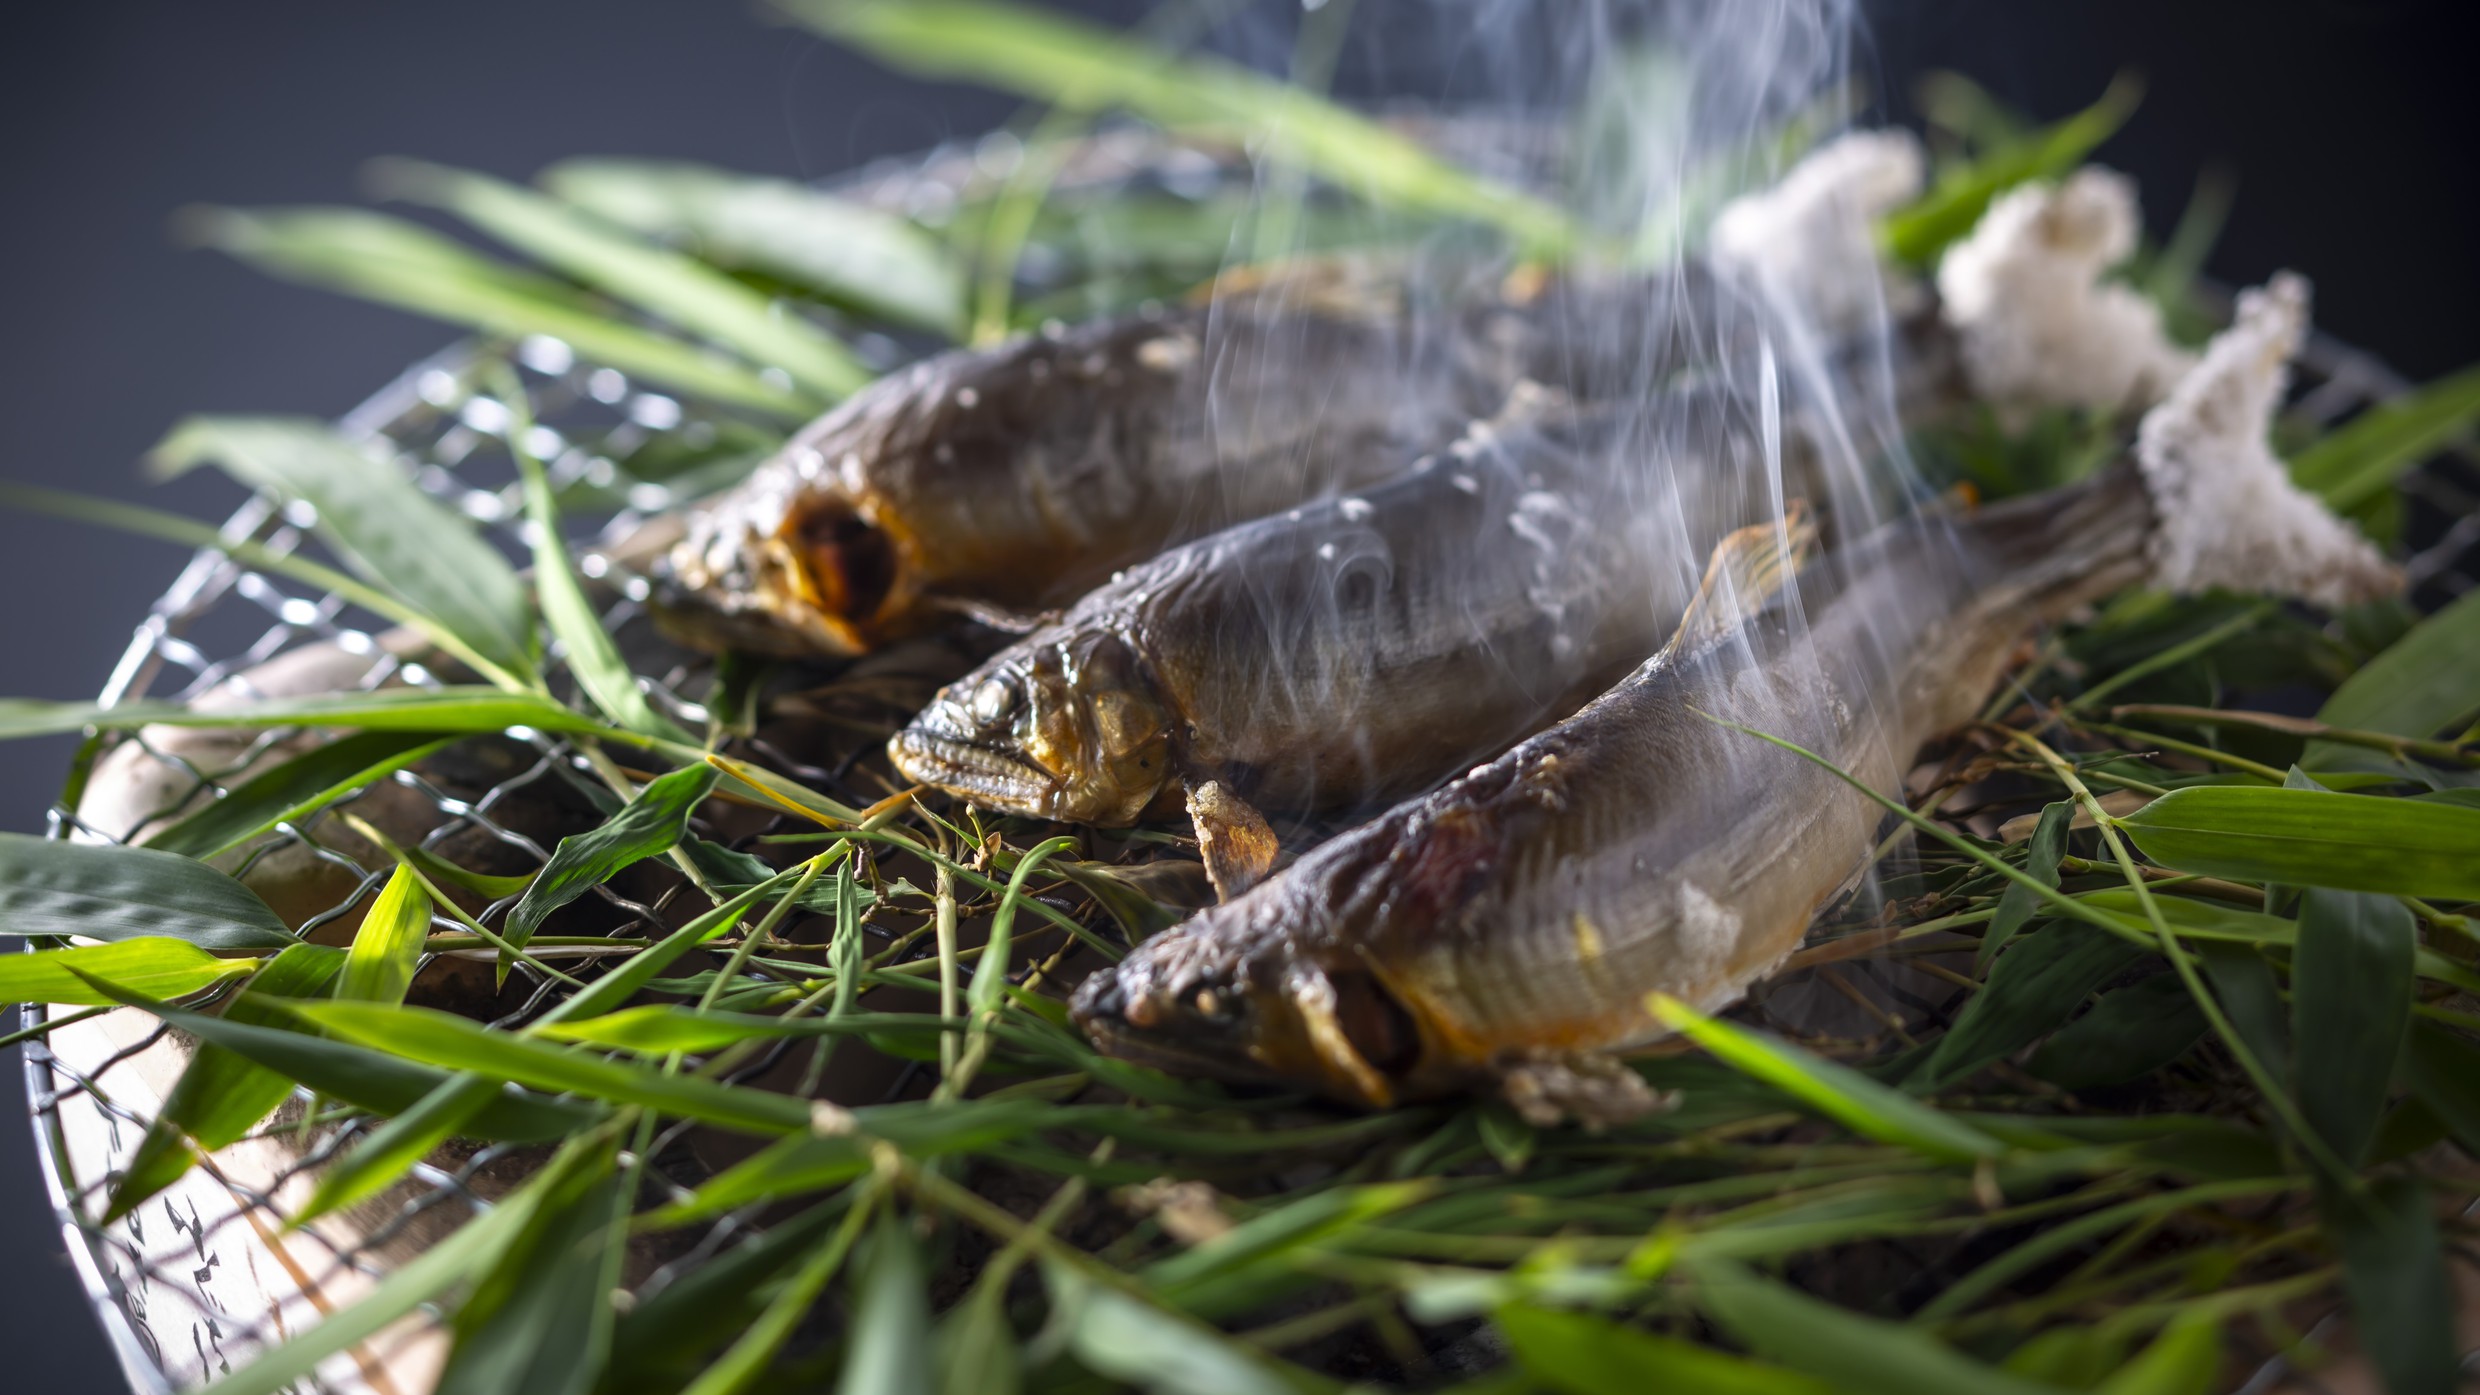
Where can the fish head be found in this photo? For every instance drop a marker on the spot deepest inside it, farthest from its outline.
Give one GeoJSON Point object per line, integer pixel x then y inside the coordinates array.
{"type": "Point", "coordinates": [1197, 1000]}
{"type": "Point", "coordinates": [1067, 725]}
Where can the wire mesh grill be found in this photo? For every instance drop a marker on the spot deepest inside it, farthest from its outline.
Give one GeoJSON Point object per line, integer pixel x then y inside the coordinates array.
{"type": "Point", "coordinates": [205, 1275]}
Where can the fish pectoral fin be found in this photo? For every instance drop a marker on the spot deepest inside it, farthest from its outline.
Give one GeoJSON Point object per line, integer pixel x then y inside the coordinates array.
{"type": "Point", "coordinates": [1550, 1087]}
{"type": "Point", "coordinates": [1239, 847]}
{"type": "Point", "coordinates": [1749, 568]}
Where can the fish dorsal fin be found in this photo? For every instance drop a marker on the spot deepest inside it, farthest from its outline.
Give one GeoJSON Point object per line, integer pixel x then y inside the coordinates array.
{"type": "Point", "coordinates": [1750, 567]}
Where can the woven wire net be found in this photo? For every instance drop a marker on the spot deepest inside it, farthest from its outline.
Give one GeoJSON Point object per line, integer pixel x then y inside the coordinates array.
{"type": "Point", "coordinates": [204, 1276]}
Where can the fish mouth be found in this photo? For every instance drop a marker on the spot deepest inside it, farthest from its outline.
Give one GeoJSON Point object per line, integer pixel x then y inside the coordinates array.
{"type": "Point", "coordinates": [703, 620]}
{"type": "Point", "coordinates": [991, 776]}
{"type": "Point", "coordinates": [1098, 1008]}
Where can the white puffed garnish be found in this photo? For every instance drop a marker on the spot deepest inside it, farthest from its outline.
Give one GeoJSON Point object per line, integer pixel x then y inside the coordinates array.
{"type": "Point", "coordinates": [1811, 239]}
{"type": "Point", "coordinates": [2038, 325]}
{"type": "Point", "coordinates": [2229, 514]}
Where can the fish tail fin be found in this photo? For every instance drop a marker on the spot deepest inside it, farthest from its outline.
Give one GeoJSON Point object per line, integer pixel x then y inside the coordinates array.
{"type": "Point", "coordinates": [2226, 512]}
{"type": "Point", "coordinates": [1749, 568]}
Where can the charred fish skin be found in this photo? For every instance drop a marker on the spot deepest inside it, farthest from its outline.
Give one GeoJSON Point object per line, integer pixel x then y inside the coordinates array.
{"type": "Point", "coordinates": [1359, 649]}
{"type": "Point", "coordinates": [1517, 918]}
{"type": "Point", "coordinates": [1015, 478]}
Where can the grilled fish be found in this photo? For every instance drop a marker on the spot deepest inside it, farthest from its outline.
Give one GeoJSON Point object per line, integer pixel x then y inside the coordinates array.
{"type": "Point", "coordinates": [1358, 649]}
{"type": "Point", "coordinates": [1509, 927]}
{"type": "Point", "coordinates": [1009, 480]}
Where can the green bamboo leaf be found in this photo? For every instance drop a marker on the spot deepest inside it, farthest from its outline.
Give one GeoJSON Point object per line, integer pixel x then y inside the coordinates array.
{"type": "Point", "coordinates": [889, 1351]}
{"type": "Point", "coordinates": [1580, 1354]}
{"type": "Point", "coordinates": [538, 1321]}
{"type": "Point", "coordinates": [220, 1096]}
{"type": "Point", "coordinates": [438, 1268]}
{"type": "Point", "coordinates": [648, 827]}
{"type": "Point", "coordinates": [440, 869]}
{"type": "Point", "coordinates": [369, 1079]}
{"type": "Point", "coordinates": [2129, 1034]}
{"type": "Point", "coordinates": [593, 658]}
{"type": "Point", "coordinates": [152, 967]}
{"type": "Point", "coordinates": [2362, 458]}
{"type": "Point", "coordinates": [2017, 903]}
{"type": "Point", "coordinates": [2351, 981]}
{"type": "Point", "coordinates": [412, 268]}
{"type": "Point", "coordinates": [1084, 67]}
{"type": "Point", "coordinates": [815, 1161]}
{"type": "Point", "coordinates": [607, 993]}
{"type": "Point", "coordinates": [2444, 1073]}
{"type": "Point", "coordinates": [2250, 996]}
{"type": "Point", "coordinates": [660, 1340]}
{"type": "Point", "coordinates": [440, 1039]}
{"type": "Point", "coordinates": [1120, 1337]}
{"type": "Point", "coordinates": [2422, 684]}
{"type": "Point", "coordinates": [427, 710]}
{"type": "Point", "coordinates": [761, 1339]}
{"type": "Point", "coordinates": [1839, 1092]}
{"type": "Point", "coordinates": [2035, 986]}
{"type": "Point", "coordinates": [1947, 212]}
{"type": "Point", "coordinates": [976, 1347]}
{"type": "Point", "coordinates": [285, 793]}
{"type": "Point", "coordinates": [1205, 1278]}
{"type": "Point", "coordinates": [2186, 1359]}
{"type": "Point", "coordinates": [98, 892]}
{"type": "Point", "coordinates": [392, 1149]}
{"type": "Point", "coordinates": [2394, 1271]}
{"type": "Point", "coordinates": [617, 262]}
{"type": "Point", "coordinates": [659, 1029]}
{"type": "Point", "coordinates": [2350, 842]}
{"type": "Point", "coordinates": [1857, 1354]}
{"type": "Point", "coordinates": [388, 532]}
{"type": "Point", "coordinates": [848, 252]}
{"type": "Point", "coordinates": [388, 945]}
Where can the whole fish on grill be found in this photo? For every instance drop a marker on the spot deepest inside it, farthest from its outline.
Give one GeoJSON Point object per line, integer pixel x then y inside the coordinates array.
{"type": "Point", "coordinates": [1007, 481]}
{"type": "Point", "coordinates": [1510, 928]}
{"type": "Point", "coordinates": [1359, 649]}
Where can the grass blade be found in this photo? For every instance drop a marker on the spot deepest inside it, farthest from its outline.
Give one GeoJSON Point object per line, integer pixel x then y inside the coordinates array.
{"type": "Point", "coordinates": [889, 1351]}
{"type": "Point", "coordinates": [1838, 1092]}
{"type": "Point", "coordinates": [2421, 684]}
{"type": "Point", "coordinates": [648, 827]}
{"type": "Point", "coordinates": [2034, 987]}
{"type": "Point", "coordinates": [1579, 1354]}
{"type": "Point", "coordinates": [387, 531]}
{"type": "Point", "coordinates": [2349, 842]}
{"type": "Point", "coordinates": [2394, 1269]}
{"type": "Point", "coordinates": [2017, 903]}
{"type": "Point", "coordinates": [412, 268]}
{"type": "Point", "coordinates": [2351, 981]}
{"type": "Point", "coordinates": [592, 656]}
{"type": "Point", "coordinates": [1857, 1354]}
{"type": "Point", "coordinates": [2186, 1359]}
{"type": "Point", "coordinates": [220, 1096]}
{"type": "Point", "coordinates": [696, 297]}
{"type": "Point", "coordinates": [379, 966]}
{"type": "Point", "coordinates": [758, 1342]}
{"type": "Point", "coordinates": [2129, 1034]}
{"type": "Point", "coordinates": [1115, 1335]}
{"type": "Point", "coordinates": [98, 892]}
{"type": "Point", "coordinates": [312, 780]}
{"type": "Point", "coordinates": [429, 710]}
{"type": "Point", "coordinates": [1949, 211]}
{"type": "Point", "coordinates": [847, 252]}
{"type": "Point", "coordinates": [1084, 67]}
{"type": "Point", "coordinates": [538, 1321]}
{"type": "Point", "coordinates": [2362, 458]}
{"type": "Point", "coordinates": [440, 1039]}
{"type": "Point", "coordinates": [394, 1147]}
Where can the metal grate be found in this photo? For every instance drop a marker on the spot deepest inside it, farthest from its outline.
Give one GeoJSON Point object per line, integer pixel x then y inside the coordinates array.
{"type": "Point", "coordinates": [203, 1276]}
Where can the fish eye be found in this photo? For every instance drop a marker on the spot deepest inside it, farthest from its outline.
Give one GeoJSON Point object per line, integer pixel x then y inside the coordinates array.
{"type": "Point", "coordinates": [993, 702]}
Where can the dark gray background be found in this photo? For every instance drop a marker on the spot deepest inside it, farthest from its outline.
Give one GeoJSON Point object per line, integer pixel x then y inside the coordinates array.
{"type": "Point", "coordinates": [2351, 126]}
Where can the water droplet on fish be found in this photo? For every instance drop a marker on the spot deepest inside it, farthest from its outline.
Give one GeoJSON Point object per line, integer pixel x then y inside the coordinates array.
{"type": "Point", "coordinates": [1326, 552]}
{"type": "Point", "coordinates": [1355, 509]}
{"type": "Point", "coordinates": [968, 398]}
{"type": "Point", "coordinates": [1466, 483]}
